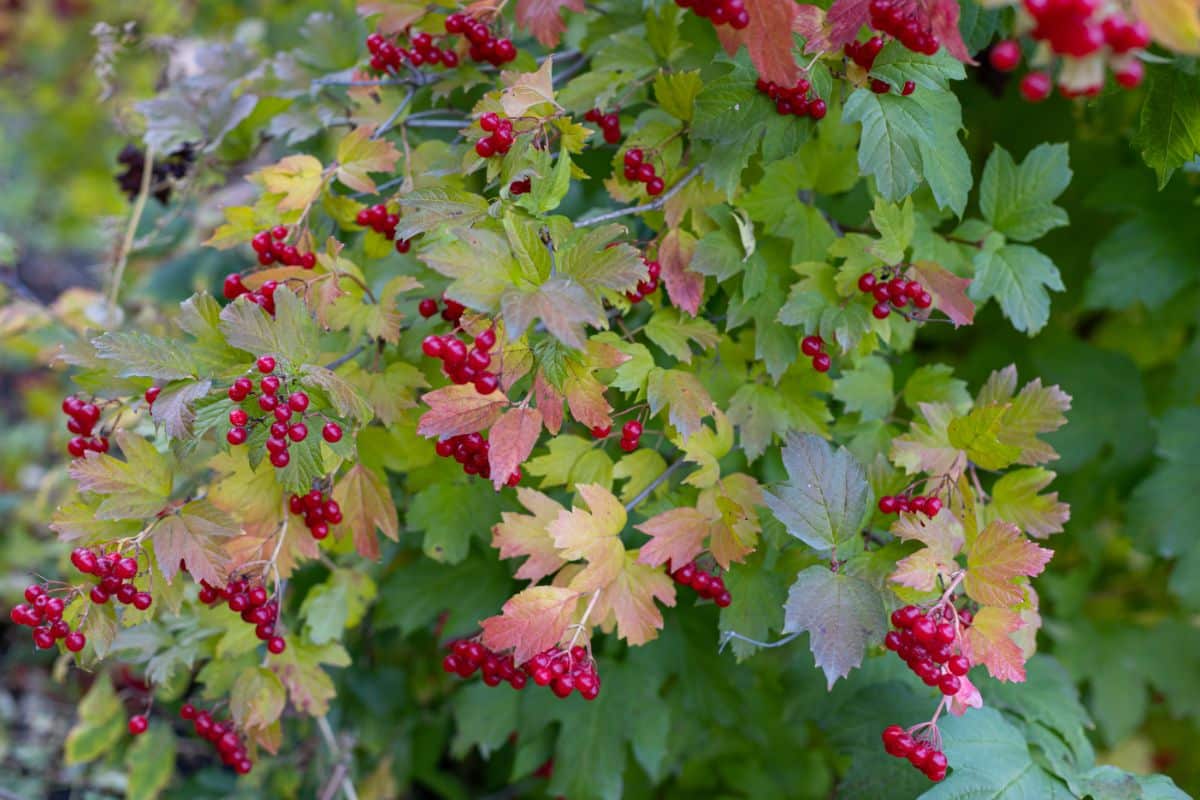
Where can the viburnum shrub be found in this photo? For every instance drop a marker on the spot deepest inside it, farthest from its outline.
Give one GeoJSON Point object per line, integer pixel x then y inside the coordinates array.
{"type": "Point", "coordinates": [641, 290]}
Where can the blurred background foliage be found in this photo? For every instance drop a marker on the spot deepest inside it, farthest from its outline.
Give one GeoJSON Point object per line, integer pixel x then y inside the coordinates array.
{"type": "Point", "coordinates": [1120, 600]}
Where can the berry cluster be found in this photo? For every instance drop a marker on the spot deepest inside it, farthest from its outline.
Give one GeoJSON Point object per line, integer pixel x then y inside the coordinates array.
{"type": "Point", "coordinates": [796, 101]}
{"type": "Point", "coordinates": [229, 745]}
{"type": "Point", "coordinates": [463, 366]}
{"type": "Point", "coordinates": [523, 186]}
{"type": "Point", "coordinates": [864, 54]}
{"type": "Point", "coordinates": [378, 219]}
{"type": "Point", "coordinates": [116, 574]}
{"type": "Point", "coordinates": [270, 247]}
{"type": "Point", "coordinates": [720, 12]}
{"type": "Point", "coordinates": [564, 671]}
{"type": "Point", "coordinates": [647, 287]}
{"type": "Point", "coordinates": [44, 613]}
{"type": "Point", "coordinates": [814, 347]}
{"type": "Point", "coordinates": [610, 125]}
{"type": "Point", "coordinates": [631, 434]}
{"type": "Point", "coordinates": [500, 139]}
{"type": "Point", "coordinates": [253, 603]}
{"type": "Point", "coordinates": [388, 56]}
{"type": "Point", "coordinates": [638, 170]}
{"type": "Point", "coordinates": [896, 20]}
{"type": "Point", "coordinates": [484, 46]}
{"type": "Point", "coordinates": [921, 754]}
{"type": "Point", "coordinates": [263, 296]}
{"type": "Point", "coordinates": [1073, 29]}
{"type": "Point", "coordinates": [894, 293]}
{"type": "Point", "coordinates": [451, 313]}
{"type": "Point", "coordinates": [276, 400]}
{"type": "Point", "coordinates": [925, 642]}
{"type": "Point", "coordinates": [471, 450]}
{"type": "Point", "coordinates": [710, 586]}
{"type": "Point", "coordinates": [83, 419]}
{"type": "Point", "coordinates": [319, 512]}
{"type": "Point", "coordinates": [902, 503]}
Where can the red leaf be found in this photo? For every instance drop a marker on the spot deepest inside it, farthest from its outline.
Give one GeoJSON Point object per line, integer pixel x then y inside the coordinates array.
{"type": "Point", "coordinates": [949, 292]}
{"type": "Point", "coordinates": [685, 288]}
{"type": "Point", "coordinates": [456, 410]}
{"type": "Point", "coordinates": [943, 19]}
{"type": "Point", "coordinates": [989, 642]}
{"type": "Point", "coordinates": [543, 19]}
{"type": "Point", "coordinates": [531, 621]}
{"type": "Point", "coordinates": [844, 20]}
{"type": "Point", "coordinates": [768, 37]}
{"type": "Point", "coordinates": [511, 440]}
{"type": "Point", "coordinates": [810, 23]}
{"type": "Point", "coordinates": [549, 401]}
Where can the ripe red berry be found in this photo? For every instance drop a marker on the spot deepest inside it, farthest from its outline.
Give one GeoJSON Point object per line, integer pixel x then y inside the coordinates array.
{"type": "Point", "coordinates": [905, 616]}
{"type": "Point", "coordinates": [1036, 86]}
{"type": "Point", "coordinates": [332, 432]}
{"type": "Point", "coordinates": [601, 431]}
{"type": "Point", "coordinates": [1005, 56]}
{"type": "Point", "coordinates": [811, 345]}
{"type": "Point", "coordinates": [298, 401]}
{"type": "Point", "coordinates": [427, 307]}
{"type": "Point", "coordinates": [276, 645]}
{"type": "Point", "coordinates": [822, 362]}
{"type": "Point", "coordinates": [266, 364]}
{"type": "Point", "coordinates": [881, 311]}
{"type": "Point", "coordinates": [236, 436]}
{"type": "Point", "coordinates": [958, 665]}
{"type": "Point", "coordinates": [949, 684]}
{"type": "Point", "coordinates": [280, 460]}
{"type": "Point", "coordinates": [655, 186]}
{"type": "Point", "coordinates": [75, 641]}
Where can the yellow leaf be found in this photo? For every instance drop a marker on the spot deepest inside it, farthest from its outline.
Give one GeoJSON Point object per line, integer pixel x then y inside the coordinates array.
{"type": "Point", "coordinates": [1173, 23]}
{"type": "Point", "coordinates": [526, 90]}
{"type": "Point", "coordinates": [518, 535]}
{"type": "Point", "coordinates": [358, 154]}
{"type": "Point", "coordinates": [298, 178]}
{"type": "Point", "coordinates": [593, 535]}
{"type": "Point", "coordinates": [531, 621]}
{"type": "Point", "coordinates": [629, 601]}
{"type": "Point", "coordinates": [366, 505]}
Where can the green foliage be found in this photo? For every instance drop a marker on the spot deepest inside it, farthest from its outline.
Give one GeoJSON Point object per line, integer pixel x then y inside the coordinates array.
{"type": "Point", "coordinates": [1072, 260]}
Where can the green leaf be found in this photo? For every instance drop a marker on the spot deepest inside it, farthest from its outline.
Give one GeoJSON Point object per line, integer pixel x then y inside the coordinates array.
{"type": "Point", "coordinates": [137, 354]}
{"type": "Point", "coordinates": [1018, 277]}
{"type": "Point", "coordinates": [561, 304]}
{"type": "Point", "coordinates": [867, 389]}
{"type": "Point", "coordinates": [257, 698]}
{"type": "Point", "coordinates": [135, 488]}
{"type": "Point", "coordinates": [842, 614]}
{"type": "Point", "coordinates": [672, 331]}
{"type": "Point", "coordinates": [308, 685]}
{"type": "Point", "coordinates": [676, 92]}
{"type": "Point", "coordinates": [897, 64]}
{"type": "Point", "coordinates": [681, 393]}
{"type": "Point", "coordinates": [761, 593]}
{"type": "Point", "coordinates": [944, 160]}
{"type": "Point", "coordinates": [484, 718]}
{"type": "Point", "coordinates": [1168, 134]}
{"type": "Point", "coordinates": [990, 759]}
{"type": "Point", "coordinates": [978, 435]}
{"type": "Point", "coordinates": [150, 763]}
{"type": "Point", "coordinates": [336, 604]}
{"type": "Point", "coordinates": [893, 128]}
{"type": "Point", "coordinates": [1015, 499]}
{"type": "Point", "coordinates": [934, 383]}
{"type": "Point", "coordinates": [1018, 201]}
{"type": "Point", "coordinates": [100, 726]}
{"type": "Point", "coordinates": [451, 515]}
{"type": "Point", "coordinates": [1146, 260]}
{"type": "Point", "coordinates": [428, 209]}
{"type": "Point", "coordinates": [290, 334]}
{"type": "Point", "coordinates": [896, 225]}
{"type": "Point", "coordinates": [419, 590]}
{"type": "Point", "coordinates": [1163, 508]}
{"type": "Point", "coordinates": [826, 498]}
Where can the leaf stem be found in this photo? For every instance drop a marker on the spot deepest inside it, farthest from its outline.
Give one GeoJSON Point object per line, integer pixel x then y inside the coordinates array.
{"type": "Point", "coordinates": [135, 218]}
{"type": "Point", "coordinates": [658, 203]}
{"type": "Point", "coordinates": [727, 636]}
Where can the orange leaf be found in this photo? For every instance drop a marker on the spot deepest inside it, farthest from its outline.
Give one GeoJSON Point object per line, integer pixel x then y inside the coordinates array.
{"type": "Point", "coordinates": [518, 535]}
{"type": "Point", "coordinates": [998, 557]}
{"type": "Point", "coordinates": [768, 37]}
{"type": "Point", "coordinates": [511, 440]}
{"type": "Point", "coordinates": [684, 287]}
{"type": "Point", "coordinates": [543, 19]}
{"type": "Point", "coordinates": [676, 536]}
{"type": "Point", "coordinates": [989, 642]}
{"type": "Point", "coordinates": [456, 410]}
{"type": "Point", "coordinates": [629, 601]}
{"type": "Point", "coordinates": [593, 535]}
{"type": "Point", "coordinates": [366, 504]}
{"type": "Point", "coordinates": [531, 621]}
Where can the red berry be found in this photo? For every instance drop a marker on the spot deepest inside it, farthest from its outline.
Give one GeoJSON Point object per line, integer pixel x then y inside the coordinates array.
{"type": "Point", "coordinates": [655, 186]}
{"type": "Point", "coordinates": [629, 445]}
{"type": "Point", "coordinates": [1005, 55]}
{"type": "Point", "coordinates": [276, 645]}
{"type": "Point", "coordinates": [563, 686]}
{"type": "Point", "coordinates": [958, 665]}
{"type": "Point", "coordinates": [75, 641]}
{"type": "Point", "coordinates": [280, 460]}
{"type": "Point", "coordinates": [236, 436]}
{"type": "Point", "coordinates": [811, 345]}
{"type": "Point", "coordinates": [905, 616]}
{"type": "Point", "coordinates": [1036, 86]}
{"type": "Point", "coordinates": [83, 559]}
{"type": "Point", "coordinates": [601, 431]}
{"type": "Point", "coordinates": [1131, 74]}
{"type": "Point", "coordinates": [822, 362]}
{"type": "Point", "coordinates": [427, 307]}
{"type": "Point", "coordinates": [332, 432]}
{"type": "Point", "coordinates": [881, 311]}
{"type": "Point", "coordinates": [949, 684]}
{"type": "Point", "coordinates": [866, 282]}
{"type": "Point", "coordinates": [266, 364]}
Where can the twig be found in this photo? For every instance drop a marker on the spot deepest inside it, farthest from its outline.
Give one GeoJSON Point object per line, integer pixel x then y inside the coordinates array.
{"type": "Point", "coordinates": [583, 620]}
{"type": "Point", "coordinates": [337, 362]}
{"type": "Point", "coordinates": [658, 203]}
{"type": "Point", "coordinates": [390, 121]}
{"type": "Point", "coordinates": [727, 636]}
{"type": "Point", "coordinates": [135, 217]}
{"type": "Point", "coordinates": [336, 752]}
{"type": "Point", "coordinates": [654, 484]}
{"type": "Point", "coordinates": [435, 123]}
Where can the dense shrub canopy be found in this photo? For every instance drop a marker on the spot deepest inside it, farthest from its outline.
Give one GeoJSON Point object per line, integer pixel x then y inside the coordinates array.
{"type": "Point", "coordinates": [648, 399]}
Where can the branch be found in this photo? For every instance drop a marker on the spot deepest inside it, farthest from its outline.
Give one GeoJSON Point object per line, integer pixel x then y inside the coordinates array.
{"type": "Point", "coordinates": [727, 636]}
{"type": "Point", "coordinates": [353, 354]}
{"type": "Point", "coordinates": [435, 123]}
{"type": "Point", "coordinates": [390, 121]}
{"type": "Point", "coordinates": [336, 752]}
{"type": "Point", "coordinates": [135, 218]}
{"type": "Point", "coordinates": [658, 203]}
{"type": "Point", "coordinates": [654, 484]}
